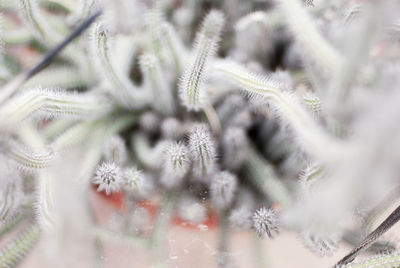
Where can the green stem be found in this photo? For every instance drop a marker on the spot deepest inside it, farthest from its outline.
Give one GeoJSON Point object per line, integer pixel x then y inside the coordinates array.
{"type": "Point", "coordinates": [222, 254]}
{"type": "Point", "coordinates": [264, 177]}
{"type": "Point", "coordinates": [108, 235]}
{"type": "Point", "coordinates": [97, 244]}
{"type": "Point", "coordinates": [259, 254]}
{"type": "Point", "coordinates": [158, 239]}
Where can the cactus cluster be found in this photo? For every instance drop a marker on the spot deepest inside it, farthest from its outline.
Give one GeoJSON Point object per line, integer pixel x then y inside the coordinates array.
{"type": "Point", "coordinates": [268, 115]}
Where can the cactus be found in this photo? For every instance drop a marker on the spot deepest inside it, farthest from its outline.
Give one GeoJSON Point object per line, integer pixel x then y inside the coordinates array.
{"type": "Point", "coordinates": [281, 117]}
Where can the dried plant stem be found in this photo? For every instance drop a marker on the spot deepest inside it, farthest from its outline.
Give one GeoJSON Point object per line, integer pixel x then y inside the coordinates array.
{"type": "Point", "coordinates": [354, 237]}
{"type": "Point", "coordinates": [391, 220]}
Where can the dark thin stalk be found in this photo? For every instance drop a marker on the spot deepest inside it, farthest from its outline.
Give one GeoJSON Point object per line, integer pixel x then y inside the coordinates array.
{"type": "Point", "coordinates": [379, 231]}
{"type": "Point", "coordinates": [377, 211]}
{"type": "Point", "coordinates": [16, 82]}
{"type": "Point", "coordinates": [354, 238]}
{"type": "Point", "coordinates": [55, 51]}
